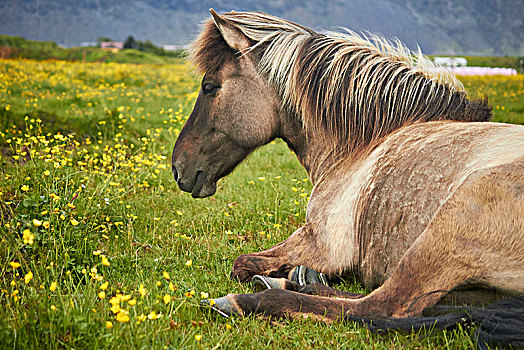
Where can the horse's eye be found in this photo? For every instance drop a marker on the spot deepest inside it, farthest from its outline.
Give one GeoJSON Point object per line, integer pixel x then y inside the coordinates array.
{"type": "Point", "coordinates": [209, 88]}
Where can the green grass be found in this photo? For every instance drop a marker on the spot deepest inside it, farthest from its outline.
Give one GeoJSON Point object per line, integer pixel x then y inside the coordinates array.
{"type": "Point", "coordinates": [85, 173]}
{"type": "Point", "coordinates": [494, 61]}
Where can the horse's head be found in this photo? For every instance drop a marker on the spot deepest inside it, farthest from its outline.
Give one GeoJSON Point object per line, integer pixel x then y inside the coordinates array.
{"type": "Point", "coordinates": [236, 111]}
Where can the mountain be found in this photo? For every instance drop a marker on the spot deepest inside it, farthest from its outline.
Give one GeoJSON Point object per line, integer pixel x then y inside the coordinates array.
{"type": "Point", "coordinates": [468, 27]}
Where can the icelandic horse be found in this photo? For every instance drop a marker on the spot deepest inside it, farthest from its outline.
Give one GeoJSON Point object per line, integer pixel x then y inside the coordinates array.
{"type": "Point", "coordinates": [414, 190]}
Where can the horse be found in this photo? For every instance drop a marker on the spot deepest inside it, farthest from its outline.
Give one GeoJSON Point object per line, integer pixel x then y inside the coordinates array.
{"type": "Point", "coordinates": [415, 191]}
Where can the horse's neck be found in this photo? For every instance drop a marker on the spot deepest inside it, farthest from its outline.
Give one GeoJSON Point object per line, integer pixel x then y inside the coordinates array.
{"type": "Point", "coordinates": [319, 156]}
{"type": "Point", "coordinates": [312, 151]}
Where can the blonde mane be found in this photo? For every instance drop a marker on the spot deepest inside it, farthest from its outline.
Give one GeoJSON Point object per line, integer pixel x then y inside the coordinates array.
{"type": "Point", "coordinates": [357, 88]}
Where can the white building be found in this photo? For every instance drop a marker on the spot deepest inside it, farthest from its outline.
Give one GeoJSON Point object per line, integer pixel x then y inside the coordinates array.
{"type": "Point", "coordinates": [451, 61]}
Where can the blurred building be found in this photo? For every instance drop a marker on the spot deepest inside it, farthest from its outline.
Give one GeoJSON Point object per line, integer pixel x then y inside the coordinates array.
{"type": "Point", "coordinates": [113, 46]}
{"type": "Point", "coordinates": [451, 61]}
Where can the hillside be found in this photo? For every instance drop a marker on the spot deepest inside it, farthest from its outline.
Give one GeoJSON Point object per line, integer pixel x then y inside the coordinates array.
{"type": "Point", "coordinates": [17, 47]}
{"type": "Point", "coordinates": [471, 27]}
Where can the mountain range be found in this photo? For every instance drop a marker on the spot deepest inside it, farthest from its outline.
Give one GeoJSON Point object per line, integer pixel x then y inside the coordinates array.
{"type": "Point", "coordinates": [444, 27]}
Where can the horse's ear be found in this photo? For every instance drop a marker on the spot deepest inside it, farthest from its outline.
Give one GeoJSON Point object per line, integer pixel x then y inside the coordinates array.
{"type": "Point", "coordinates": [231, 34]}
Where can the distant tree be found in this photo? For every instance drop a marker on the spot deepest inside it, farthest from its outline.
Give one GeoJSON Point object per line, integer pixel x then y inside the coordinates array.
{"type": "Point", "coordinates": [102, 39]}
{"type": "Point", "coordinates": [131, 43]}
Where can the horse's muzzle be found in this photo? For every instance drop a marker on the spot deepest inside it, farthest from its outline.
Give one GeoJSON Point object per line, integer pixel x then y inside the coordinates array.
{"type": "Point", "coordinates": [198, 184]}
{"type": "Point", "coordinates": [175, 173]}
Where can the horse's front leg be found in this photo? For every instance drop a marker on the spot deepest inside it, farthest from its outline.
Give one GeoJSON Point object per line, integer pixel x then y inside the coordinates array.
{"type": "Point", "coordinates": [282, 303]}
{"type": "Point", "coordinates": [299, 249]}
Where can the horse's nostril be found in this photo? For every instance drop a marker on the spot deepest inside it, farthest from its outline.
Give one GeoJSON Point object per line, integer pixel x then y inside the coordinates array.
{"type": "Point", "coordinates": [175, 172]}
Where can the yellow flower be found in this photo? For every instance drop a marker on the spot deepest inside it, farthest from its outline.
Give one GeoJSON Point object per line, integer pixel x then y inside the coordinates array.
{"type": "Point", "coordinates": [37, 222]}
{"type": "Point", "coordinates": [198, 337]}
{"type": "Point", "coordinates": [109, 324]}
{"type": "Point", "coordinates": [167, 299]}
{"type": "Point", "coordinates": [189, 263]}
{"type": "Point", "coordinates": [190, 293]}
{"type": "Point", "coordinates": [97, 252]}
{"type": "Point", "coordinates": [105, 262]}
{"type": "Point", "coordinates": [28, 237]}
{"type": "Point", "coordinates": [74, 222]}
{"type": "Point", "coordinates": [53, 307]}
{"type": "Point", "coordinates": [179, 212]}
{"type": "Point", "coordinates": [166, 275]}
{"type": "Point", "coordinates": [102, 295]}
{"type": "Point", "coordinates": [53, 286]}
{"type": "Point", "coordinates": [46, 224]}
{"type": "Point", "coordinates": [115, 308]}
{"type": "Point", "coordinates": [142, 290]}
{"type": "Point", "coordinates": [116, 299]}
{"type": "Point", "coordinates": [204, 295]}
{"type": "Point", "coordinates": [228, 326]}
{"type": "Point", "coordinates": [14, 264]}
{"type": "Point", "coordinates": [122, 316]}
{"type": "Point", "coordinates": [25, 188]}
{"type": "Point", "coordinates": [28, 277]}
{"type": "Point", "coordinates": [132, 302]}
{"type": "Point", "coordinates": [153, 315]}
{"type": "Point", "coordinates": [158, 283]}
{"type": "Point", "coordinates": [47, 173]}
{"type": "Point", "coordinates": [104, 285]}
{"type": "Point", "coordinates": [172, 287]}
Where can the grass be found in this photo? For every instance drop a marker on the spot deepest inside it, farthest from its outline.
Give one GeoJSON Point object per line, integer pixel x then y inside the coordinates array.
{"type": "Point", "coordinates": [100, 249]}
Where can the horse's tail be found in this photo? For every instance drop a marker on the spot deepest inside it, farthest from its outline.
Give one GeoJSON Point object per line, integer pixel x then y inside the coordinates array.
{"type": "Point", "coordinates": [501, 323]}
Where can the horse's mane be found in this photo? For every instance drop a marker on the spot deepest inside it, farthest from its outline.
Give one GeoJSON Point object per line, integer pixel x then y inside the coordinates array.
{"type": "Point", "coordinates": [357, 88]}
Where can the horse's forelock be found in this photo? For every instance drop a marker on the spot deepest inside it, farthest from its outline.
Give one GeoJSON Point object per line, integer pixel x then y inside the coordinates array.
{"type": "Point", "coordinates": [210, 51]}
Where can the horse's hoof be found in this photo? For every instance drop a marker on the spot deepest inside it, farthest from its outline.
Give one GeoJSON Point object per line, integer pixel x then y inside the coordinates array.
{"type": "Point", "coordinates": [262, 283]}
{"type": "Point", "coordinates": [219, 305]}
{"type": "Point", "coordinates": [304, 275]}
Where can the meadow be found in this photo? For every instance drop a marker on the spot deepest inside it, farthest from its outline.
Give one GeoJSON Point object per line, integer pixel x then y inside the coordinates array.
{"type": "Point", "coordinates": [100, 249]}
